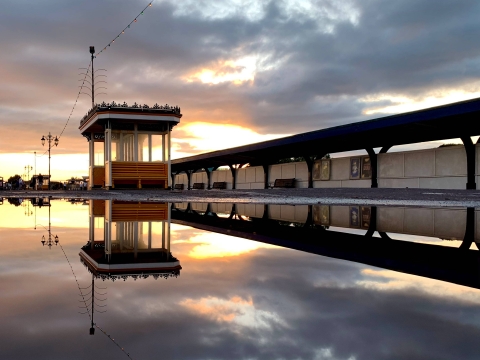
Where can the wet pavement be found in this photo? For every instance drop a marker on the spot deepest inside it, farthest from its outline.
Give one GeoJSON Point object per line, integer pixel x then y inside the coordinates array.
{"type": "Point", "coordinates": [346, 196]}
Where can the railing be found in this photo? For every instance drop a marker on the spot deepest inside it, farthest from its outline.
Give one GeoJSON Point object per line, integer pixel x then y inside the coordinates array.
{"type": "Point", "coordinates": [167, 109]}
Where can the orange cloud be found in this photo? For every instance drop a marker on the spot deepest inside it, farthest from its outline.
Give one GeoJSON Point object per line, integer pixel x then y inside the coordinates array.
{"type": "Point", "coordinates": [234, 310]}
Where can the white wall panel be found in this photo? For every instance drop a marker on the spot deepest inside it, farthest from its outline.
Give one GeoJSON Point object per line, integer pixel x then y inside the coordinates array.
{"type": "Point", "coordinates": [250, 175]}
{"type": "Point", "coordinates": [288, 171]}
{"type": "Point", "coordinates": [451, 161]}
{"type": "Point", "coordinates": [340, 169]}
{"type": "Point", "coordinates": [420, 163]}
{"type": "Point", "coordinates": [259, 174]}
{"type": "Point", "coordinates": [443, 183]}
{"type": "Point", "coordinates": [391, 165]}
{"type": "Point", "coordinates": [241, 176]}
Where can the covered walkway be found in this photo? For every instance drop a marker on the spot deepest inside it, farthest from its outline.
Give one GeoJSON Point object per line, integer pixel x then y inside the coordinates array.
{"type": "Point", "coordinates": [456, 120]}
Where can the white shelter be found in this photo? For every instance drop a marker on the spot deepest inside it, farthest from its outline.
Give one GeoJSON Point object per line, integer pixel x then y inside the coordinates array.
{"type": "Point", "coordinates": [129, 146]}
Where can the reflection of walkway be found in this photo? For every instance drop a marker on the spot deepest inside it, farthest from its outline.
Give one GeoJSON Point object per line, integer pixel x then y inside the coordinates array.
{"type": "Point", "coordinates": [459, 266]}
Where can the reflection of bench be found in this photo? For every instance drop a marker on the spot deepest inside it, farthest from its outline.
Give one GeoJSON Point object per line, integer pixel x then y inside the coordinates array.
{"type": "Point", "coordinates": [219, 185]}
{"type": "Point", "coordinates": [138, 173]}
{"type": "Point", "coordinates": [179, 187]}
{"type": "Point", "coordinates": [284, 183]}
{"type": "Point", "coordinates": [198, 186]}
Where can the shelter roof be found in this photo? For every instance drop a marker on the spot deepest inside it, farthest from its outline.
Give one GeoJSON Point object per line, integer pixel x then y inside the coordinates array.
{"type": "Point", "coordinates": [449, 121]}
{"type": "Point", "coordinates": [97, 116]}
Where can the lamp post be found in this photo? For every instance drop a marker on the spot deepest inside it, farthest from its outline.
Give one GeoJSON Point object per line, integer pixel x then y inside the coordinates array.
{"type": "Point", "coordinates": [28, 168]}
{"type": "Point", "coordinates": [50, 140]}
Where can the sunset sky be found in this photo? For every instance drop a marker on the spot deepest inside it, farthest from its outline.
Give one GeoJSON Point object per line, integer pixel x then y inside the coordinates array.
{"type": "Point", "coordinates": [241, 71]}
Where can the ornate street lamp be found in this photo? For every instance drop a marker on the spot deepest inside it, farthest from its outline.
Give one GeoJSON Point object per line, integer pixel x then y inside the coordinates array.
{"type": "Point", "coordinates": [49, 242]}
{"type": "Point", "coordinates": [50, 140]}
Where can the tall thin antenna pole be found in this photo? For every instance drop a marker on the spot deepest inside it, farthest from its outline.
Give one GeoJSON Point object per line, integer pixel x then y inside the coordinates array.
{"type": "Point", "coordinates": [92, 51]}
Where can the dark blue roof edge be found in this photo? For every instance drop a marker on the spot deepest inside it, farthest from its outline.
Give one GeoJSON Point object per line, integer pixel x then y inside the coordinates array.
{"type": "Point", "coordinates": [436, 112]}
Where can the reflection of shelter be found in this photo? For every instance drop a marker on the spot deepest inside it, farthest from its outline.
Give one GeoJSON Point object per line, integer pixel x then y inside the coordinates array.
{"type": "Point", "coordinates": [41, 201]}
{"type": "Point", "coordinates": [129, 145]}
{"type": "Point", "coordinates": [135, 241]}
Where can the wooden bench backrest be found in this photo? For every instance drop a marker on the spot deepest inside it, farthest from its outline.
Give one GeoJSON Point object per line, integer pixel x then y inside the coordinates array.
{"type": "Point", "coordinates": [138, 169]}
{"type": "Point", "coordinates": [284, 183]}
{"type": "Point", "coordinates": [198, 186]}
{"type": "Point", "coordinates": [139, 211]}
{"type": "Point", "coordinates": [220, 185]}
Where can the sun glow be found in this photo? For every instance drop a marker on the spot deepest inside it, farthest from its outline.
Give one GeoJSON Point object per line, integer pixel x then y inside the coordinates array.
{"type": "Point", "coordinates": [202, 136]}
{"type": "Point", "coordinates": [234, 71]}
{"type": "Point", "coordinates": [401, 104]}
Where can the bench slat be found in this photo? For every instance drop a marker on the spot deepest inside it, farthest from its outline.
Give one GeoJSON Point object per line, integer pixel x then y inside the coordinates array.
{"type": "Point", "coordinates": [284, 183]}
{"type": "Point", "coordinates": [198, 186]}
{"type": "Point", "coordinates": [219, 185]}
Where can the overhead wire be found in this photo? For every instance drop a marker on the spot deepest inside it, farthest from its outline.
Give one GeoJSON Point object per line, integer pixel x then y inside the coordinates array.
{"type": "Point", "coordinates": [84, 300]}
{"type": "Point", "coordinates": [98, 53]}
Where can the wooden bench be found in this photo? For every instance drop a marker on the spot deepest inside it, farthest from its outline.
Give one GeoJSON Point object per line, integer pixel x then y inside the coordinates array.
{"type": "Point", "coordinates": [219, 185]}
{"type": "Point", "coordinates": [284, 183]}
{"type": "Point", "coordinates": [179, 187]}
{"type": "Point", "coordinates": [198, 186]}
{"type": "Point", "coordinates": [126, 172]}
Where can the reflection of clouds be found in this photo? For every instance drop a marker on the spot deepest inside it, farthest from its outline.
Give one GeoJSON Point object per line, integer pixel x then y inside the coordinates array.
{"type": "Point", "coordinates": [387, 280]}
{"type": "Point", "coordinates": [236, 309]}
{"type": "Point", "coordinates": [326, 354]}
{"type": "Point", "coordinates": [218, 245]}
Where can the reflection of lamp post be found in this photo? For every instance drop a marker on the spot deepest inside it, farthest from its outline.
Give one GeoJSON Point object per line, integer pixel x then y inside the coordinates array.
{"type": "Point", "coordinates": [50, 139]}
{"type": "Point", "coordinates": [49, 242]}
{"type": "Point", "coordinates": [26, 205]}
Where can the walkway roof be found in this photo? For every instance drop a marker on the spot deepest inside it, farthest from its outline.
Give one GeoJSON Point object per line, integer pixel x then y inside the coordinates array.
{"type": "Point", "coordinates": [438, 123]}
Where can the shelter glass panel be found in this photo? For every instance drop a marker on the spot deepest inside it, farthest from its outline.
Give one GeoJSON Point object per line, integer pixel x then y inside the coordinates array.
{"type": "Point", "coordinates": [143, 148]}
{"type": "Point", "coordinates": [157, 231]}
{"type": "Point", "coordinates": [98, 231]}
{"type": "Point", "coordinates": [115, 146]}
{"type": "Point", "coordinates": [129, 236]}
{"type": "Point", "coordinates": [99, 154]}
{"type": "Point", "coordinates": [127, 147]}
{"type": "Point", "coordinates": [167, 136]}
{"type": "Point", "coordinates": [157, 148]}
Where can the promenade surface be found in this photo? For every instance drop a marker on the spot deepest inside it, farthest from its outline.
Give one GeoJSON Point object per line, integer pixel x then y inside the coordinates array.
{"type": "Point", "coordinates": [341, 196]}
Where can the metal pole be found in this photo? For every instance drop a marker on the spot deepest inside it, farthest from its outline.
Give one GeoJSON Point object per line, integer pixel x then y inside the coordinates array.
{"type": "Point", "coordinates": [49, 147]}
{"type": "Point", "coordinates": [92, 51]}
{"type": "Point", "coordinates": [49, 223]}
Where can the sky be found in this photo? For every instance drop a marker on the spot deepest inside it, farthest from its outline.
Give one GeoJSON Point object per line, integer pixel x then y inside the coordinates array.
{"type": "Point", "coordinates": [241, 71]}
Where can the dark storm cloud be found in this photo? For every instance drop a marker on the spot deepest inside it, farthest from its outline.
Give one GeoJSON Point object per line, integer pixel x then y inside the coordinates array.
{"type": "Point", "coordinates": [313, 66]}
